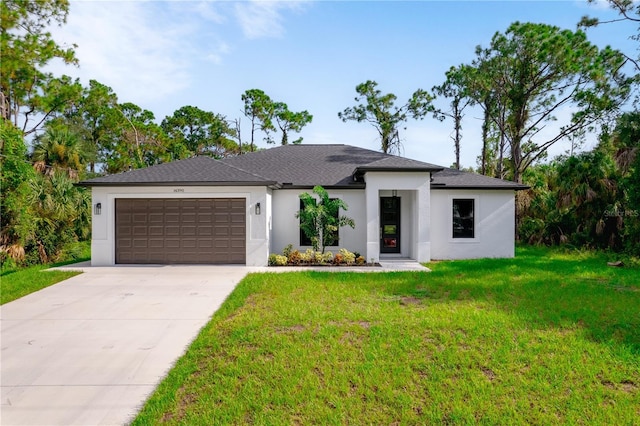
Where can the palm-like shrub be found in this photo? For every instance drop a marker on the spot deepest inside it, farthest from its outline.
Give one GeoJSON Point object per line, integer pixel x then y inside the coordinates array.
{"type": "Point", "coordinates": [320, 218]}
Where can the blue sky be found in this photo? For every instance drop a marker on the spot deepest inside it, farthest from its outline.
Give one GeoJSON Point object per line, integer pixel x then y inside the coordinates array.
{"type": "Point", "coordinates": [162, 55]}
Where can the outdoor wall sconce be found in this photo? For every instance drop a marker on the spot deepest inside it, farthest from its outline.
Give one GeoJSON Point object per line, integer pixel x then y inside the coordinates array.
{"type": "Point", "coordinates": [98, 209]}
{"type": "Point", "coordinates": [257, 209]}
{"type": "Point", "coordinates": [394, 192]}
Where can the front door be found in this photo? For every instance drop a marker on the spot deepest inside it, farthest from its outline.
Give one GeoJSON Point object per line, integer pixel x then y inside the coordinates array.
{"type": "Point", "coordinates": [389, 225]}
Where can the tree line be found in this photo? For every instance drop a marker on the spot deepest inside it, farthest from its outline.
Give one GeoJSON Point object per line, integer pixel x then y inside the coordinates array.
{"type": "Point", "coordinates": [56, 131]}
{"type": "Point", "coordinates": [521, 83]}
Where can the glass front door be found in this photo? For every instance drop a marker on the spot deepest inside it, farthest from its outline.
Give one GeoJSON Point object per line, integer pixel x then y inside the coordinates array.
{"type": "Point", "coordinates": [389, 224]}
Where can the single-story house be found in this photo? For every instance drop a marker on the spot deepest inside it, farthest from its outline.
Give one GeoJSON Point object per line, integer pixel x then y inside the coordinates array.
{"type": "Point", "coordinates": [241, 209]}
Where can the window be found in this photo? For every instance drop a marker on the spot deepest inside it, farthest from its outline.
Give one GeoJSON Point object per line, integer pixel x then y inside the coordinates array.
{"type": "Point", "coordinates": [306, 241]}
{"type": "Point", "coordinates": [463, 218]}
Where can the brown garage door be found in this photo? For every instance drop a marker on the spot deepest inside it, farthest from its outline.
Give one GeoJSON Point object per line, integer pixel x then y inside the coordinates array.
{"type": "Point", "coordinates": [159, 231]}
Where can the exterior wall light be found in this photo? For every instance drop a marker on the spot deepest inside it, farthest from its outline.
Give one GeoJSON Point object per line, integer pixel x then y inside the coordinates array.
{"type": "Point", "coordinates": [394, 192]}
{"type": "Point", "coordinates": [257, 209]}
{"type": "Point", "coordinates": [97, 209]}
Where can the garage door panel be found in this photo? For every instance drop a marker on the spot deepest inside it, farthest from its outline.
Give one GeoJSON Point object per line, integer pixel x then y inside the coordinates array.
{"type": "Point", "coordinates": [188, 217]}
{"type": "Point", "coordinates": [219, 231]}
{"type": "Point", "coordinates": [204, 230]}
{"type": "Point", "coordinates": [181, 230]}
{"type": "Point", "coordinates": [172, 217]}
{"type": "Point", "coordinates": [156, 231]}
{"type": "Point", "coordinates": [156, 218]}
{"type": "Point", "coordinates": [172, 243]}
{"type": "Point", "coordinates": [156, 243]}
{"type": "Point", "coordinates": [172, 231]}
{"type": "Point", "coordinates": [221, 244]}
{"type": "Point", "coordinates": [204, 218]}
{"type": "Point", "coordinates": [188, 243]}
{"type": "Point", "coordinates": [188, 231]}
{"type": "Point", "coordinates": [138, 243]}
{"type": "Point", "coordinates": [139, 231]}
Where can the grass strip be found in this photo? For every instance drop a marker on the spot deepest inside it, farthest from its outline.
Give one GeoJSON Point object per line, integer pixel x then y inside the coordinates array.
{"type": "Point", "coordinates": [19, 283]}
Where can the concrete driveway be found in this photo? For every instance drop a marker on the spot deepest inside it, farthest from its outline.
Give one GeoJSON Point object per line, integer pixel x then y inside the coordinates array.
{"type": "Point", "coordinates": [90, 350]}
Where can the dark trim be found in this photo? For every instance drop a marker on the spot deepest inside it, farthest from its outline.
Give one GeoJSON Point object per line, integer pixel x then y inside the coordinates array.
{"type": "Point", "coordinates": [397, 223]}
{"type": "Point", "coordinates": [177, 183]}
{"type": "Point", "coordinates": [515, 187]}
{"type": "Point", "coordinates": [327, 187]}
{"type": "Point", "coordinates": [397, 169]}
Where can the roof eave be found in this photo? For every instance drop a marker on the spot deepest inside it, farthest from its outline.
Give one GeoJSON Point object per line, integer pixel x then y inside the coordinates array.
{"type": "Point", "coordinates": [180, 183]}
{"type": "Point", "coordinates": [347, 186]}
{"type": "Point", "coordinates": [482, 187]}
{"type": "Point", "coordinates": [397, 169]}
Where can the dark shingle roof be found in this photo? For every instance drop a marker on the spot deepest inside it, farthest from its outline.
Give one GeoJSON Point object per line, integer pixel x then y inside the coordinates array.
{"type": "Point", "coordinates": [326, 165]}
{"type": "Point", "coordinates": [192, 171]}
{"type": "Point", "coordinates": [452, 178]}
{"type": "Point", "coordinates": [295, 166]}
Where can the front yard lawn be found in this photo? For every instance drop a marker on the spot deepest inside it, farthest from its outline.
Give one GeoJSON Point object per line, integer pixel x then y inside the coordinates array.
{"type": "Point", "coordinates": [545, 338]}
{"type": "Point", "coordinates": [19, 283]}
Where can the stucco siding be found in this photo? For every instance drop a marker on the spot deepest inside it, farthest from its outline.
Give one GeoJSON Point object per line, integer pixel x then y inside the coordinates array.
{"type": "Point", "coordinates": [286, 227]}
{"type": "Point", "coordinates": [103, 225]}
{"type": "Point", "coordinates": [493, 222]}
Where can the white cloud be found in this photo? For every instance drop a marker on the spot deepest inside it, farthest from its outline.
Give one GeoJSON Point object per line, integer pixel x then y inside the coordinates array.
{"type": "Point", "coordinates": [216, 53]}
{"type": "Point", "coordinates": [261, 19]}
{"type": "Point", "coordinates": [128, 46]}
{"type": "Point", "coordinates": [208, 10]}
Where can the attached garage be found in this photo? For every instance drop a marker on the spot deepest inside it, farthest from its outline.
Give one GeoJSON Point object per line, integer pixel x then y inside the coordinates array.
{"type": "Point", "coordinates": [180, 231]}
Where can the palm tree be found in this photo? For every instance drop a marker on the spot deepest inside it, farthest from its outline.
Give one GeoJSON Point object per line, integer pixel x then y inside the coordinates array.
{"type": "Point", "coordinates": [587, 189]}
{"type": "Point", "coordinates": [59, 148]}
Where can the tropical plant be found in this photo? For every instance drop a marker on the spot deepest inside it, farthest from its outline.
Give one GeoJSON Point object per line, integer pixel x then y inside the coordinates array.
{"type": "Point", "coordinates": [61, 214]}
{"type": "Point", "coordinates": [320, 218]}
{"type": "Point", "coordinates": [17, 220]}
{"type": "Point", "coordinates": [58, 148]}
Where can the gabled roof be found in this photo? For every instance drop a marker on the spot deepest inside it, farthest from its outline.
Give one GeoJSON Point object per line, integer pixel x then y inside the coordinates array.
{"type": "Point", "coordinates": [304, 166]}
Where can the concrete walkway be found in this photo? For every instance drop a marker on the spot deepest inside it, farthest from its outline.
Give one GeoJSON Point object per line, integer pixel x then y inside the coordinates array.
{"type": "Point", "coordinates": [91, 349]}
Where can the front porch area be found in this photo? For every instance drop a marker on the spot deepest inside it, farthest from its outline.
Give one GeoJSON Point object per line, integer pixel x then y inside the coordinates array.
{"type": "Point", "coordinates": [398, 217]}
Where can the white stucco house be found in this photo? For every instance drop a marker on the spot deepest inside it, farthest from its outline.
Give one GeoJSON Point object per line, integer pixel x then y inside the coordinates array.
{"type": "Point", "coordinates": [241, 209]}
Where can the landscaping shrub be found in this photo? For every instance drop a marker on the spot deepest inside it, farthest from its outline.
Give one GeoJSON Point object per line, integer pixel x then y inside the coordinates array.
{"type": "Point", "coordinates": [348, 257]}
{"type": "Point", "coordinates": [277, 260]}
{"type": "Point", "coordinates": [294, 257]}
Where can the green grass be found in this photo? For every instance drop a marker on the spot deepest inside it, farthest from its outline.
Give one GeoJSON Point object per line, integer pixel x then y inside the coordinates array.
{"type": "Point", "coordinates": [546, 338]}
{"type": "Point", "coordinates": [17, 283]}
